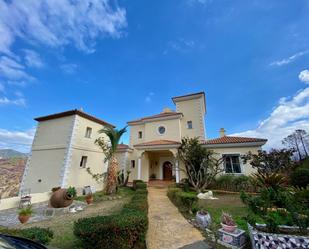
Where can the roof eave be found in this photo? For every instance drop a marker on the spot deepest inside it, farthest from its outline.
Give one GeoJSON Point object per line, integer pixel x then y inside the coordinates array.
{"type": "Point", "coordinates": [156, 147]}
{"type": "Point", "coordinates": [225, 145]}
{"type": "Point", "coordinates": [143, 121]}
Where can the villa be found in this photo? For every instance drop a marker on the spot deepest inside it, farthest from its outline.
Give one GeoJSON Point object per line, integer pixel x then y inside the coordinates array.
{"type": "Point", "coordinates": [63, 146]}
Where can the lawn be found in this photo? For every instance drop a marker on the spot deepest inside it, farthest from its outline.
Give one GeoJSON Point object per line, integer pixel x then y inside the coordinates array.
{"type": "Point", "coordinates": [62, 226]}
{"type": "Point", "coordinates": [229, 203]}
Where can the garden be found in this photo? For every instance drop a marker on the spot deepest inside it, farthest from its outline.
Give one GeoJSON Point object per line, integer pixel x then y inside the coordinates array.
{"type": "Point", "coordinates": [269, 208]}
{"type": "Point", "coordinates": [114, 218]}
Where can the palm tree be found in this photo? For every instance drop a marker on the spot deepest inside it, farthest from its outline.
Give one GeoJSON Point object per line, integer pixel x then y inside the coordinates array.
{"type": "Point", "coordinates": [109, 149]}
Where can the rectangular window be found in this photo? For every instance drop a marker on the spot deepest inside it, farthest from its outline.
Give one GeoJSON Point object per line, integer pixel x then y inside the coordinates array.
{"type": "Point", "coordinates": [132, 164]}
{"type": "Point", "coordinates": [88, 132]}
{"type": "Point", "coordinates": [83, 162]}
{"type": "Point", "coordinates": [232, 164]}
{"type": "Point", "coordinates": [189, 124]}
{"type": "Point", "coordinates": [140, 134]}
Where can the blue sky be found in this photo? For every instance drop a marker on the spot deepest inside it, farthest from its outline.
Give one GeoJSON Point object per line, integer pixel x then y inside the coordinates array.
{"type": "Point", "coordinates": [123, 60]}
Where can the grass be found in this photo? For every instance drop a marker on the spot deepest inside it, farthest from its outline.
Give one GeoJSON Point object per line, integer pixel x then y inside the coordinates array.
{"type": "Point", "coordinates": [229, 203]}
{"type": "Point", "coordinates": [62, 226]}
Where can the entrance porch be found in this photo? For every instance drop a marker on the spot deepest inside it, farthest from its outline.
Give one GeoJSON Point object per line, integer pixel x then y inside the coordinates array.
{"type": "Point", "coordinates": [158, 165]}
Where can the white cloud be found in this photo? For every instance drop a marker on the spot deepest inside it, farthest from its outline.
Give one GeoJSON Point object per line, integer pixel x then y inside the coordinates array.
{"type": "Point", "coordinates": [286, 117]}
{"type": "Point", "coordinates": [69, 68]}
{"type": "Point", "coordinates": [149, 96]}
{"type": "Point", "coordinates": [289, 59]}
{"type": "Point", "coordinates": [59, 22]}
{"type": "Point", "coordinates": [19, 101]}
{"type": "Point", "coordinates": [304, 76]}
{"type": "Point", "coordinates": [20, 140]}
{"type": "Point", "coordinates": [12, 70]}
{"type": "Point", "coordinates": [33, 59]}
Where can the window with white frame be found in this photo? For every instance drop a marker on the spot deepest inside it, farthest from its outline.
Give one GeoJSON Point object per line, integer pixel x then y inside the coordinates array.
{"type": "Point", "coordinates": [88, 132]}
{"type": "Point", "coordinates": [83, 162]}
{"type": "Point", "coordinates": [232, 164]}
{"type": "Point", "coordinates": [189, 124]}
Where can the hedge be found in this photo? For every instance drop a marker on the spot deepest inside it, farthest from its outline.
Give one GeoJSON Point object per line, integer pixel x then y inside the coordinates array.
{"type": "Point", "coordinates": [234, 183]}
{"type": "Point", "coordinates": [37, 234]}
{"type": "Point", "coordinates": [184, 199]}
{"type": "Point", "coordinates": [126, 230]}
{"type": "Point", "coordinates": [135, 182]}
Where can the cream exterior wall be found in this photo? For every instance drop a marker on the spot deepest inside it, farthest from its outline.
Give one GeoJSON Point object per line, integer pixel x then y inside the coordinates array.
{"type": "Point", "coordinates": [193, 110]}
{"type": "Point", "coordinates": [45, 165]}
{"type": "Point", "coordinates": [47, 155]}
{"type": "Point", "coordinates": [83, 146]}
{"type": "Point", "coordinates": [246, 168]}
{"type": "Point", "coordinates": [56, 153]}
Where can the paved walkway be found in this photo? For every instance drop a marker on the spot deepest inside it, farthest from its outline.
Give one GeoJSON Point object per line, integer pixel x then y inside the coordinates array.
{"type": "Point", "coordinates": [168, 229]}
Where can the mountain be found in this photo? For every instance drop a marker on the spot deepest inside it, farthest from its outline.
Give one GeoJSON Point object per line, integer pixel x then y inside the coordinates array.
{"type": "Point", "coordinates": [9, 153]}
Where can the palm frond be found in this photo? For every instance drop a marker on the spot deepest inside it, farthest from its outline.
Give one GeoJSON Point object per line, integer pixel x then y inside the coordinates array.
{"type": "Point", "coordinates": [114, 136]}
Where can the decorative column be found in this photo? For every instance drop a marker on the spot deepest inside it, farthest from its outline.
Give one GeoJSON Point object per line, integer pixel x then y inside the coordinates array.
{"type": "Point", "coordinates": [177, 171]}
{"type": "Point", "coordinates": [139, 168]}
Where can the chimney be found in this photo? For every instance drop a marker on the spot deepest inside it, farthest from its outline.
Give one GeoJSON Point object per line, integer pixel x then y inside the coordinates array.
{"type": "Point", "coordinates": [222, 132]}
{"type": "Point", "coordinates": [166, 110]}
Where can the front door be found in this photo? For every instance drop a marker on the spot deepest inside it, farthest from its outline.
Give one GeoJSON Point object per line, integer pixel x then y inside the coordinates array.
{"type": "Point", "coordinates": [167, 171]}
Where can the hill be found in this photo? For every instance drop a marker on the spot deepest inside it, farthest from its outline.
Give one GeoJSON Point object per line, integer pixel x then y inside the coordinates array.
{"type": "Point", "coordinates": [9, 153]}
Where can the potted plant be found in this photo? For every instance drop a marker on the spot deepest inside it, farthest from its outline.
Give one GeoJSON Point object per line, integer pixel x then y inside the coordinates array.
{"type": "Point", "coordinates": [89, 198]}
{"type": "Point", "coordinates": [227, 222]}
{"type": "Point", "coordinates": [70, 193]}
{"type": "Point", "coordinates": [24, 214]}
{"type": "Point", "coordinates": [203, 218]}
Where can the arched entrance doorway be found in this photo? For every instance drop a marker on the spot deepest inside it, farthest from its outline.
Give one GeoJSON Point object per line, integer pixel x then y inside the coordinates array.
{"type": "Point", "coordinates": [167, 170]}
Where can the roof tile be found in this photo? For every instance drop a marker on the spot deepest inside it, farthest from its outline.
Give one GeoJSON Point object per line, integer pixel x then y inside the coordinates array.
{"type": "Point", "coordinates": [233, 140]}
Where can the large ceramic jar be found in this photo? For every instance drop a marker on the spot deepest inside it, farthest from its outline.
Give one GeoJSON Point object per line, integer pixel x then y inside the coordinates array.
{"type": "Point", "coordinates": [203, 219]}
{"type": "Point", "coordinates": [60, 199]}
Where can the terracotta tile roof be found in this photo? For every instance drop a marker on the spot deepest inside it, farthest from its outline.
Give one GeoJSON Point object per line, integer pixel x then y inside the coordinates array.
{"type": "Point", "coordinates": [123, 146]}
{"type": "Point", "coordinates": [73, 112]}
{"type": "Point", "coordinates": [233, 140]}
{"type": "Point", "coordinates": [161, 115]}
{"type": "Point", "coordinates": [157, 142]}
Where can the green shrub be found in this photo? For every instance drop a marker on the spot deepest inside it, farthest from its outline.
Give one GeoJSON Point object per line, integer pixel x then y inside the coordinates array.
{"type": "Point", "coordinates": [171, 193]}
{"type": "Point", "coordinates": [126, 230]}
{"type": "Point", "coordinates": [187, 199]}
{"type": "Point", "coordinates": [140, 185]}
{"type": "Point", "coordinates": [135, 182]}
{"type": "Point", "coordinates": [234, 183]}
{"type": "Point", "coordinates": [300, 177]}
{"type": "Point", "coordinates": [40, 235]}
{"type": "Point", "coordinates": [183, 199]}
{"type": "Point", "coordinates": [141, 191]}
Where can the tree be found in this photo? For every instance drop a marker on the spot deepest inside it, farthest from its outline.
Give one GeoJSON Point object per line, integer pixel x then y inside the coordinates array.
{"type": "Point", "coordinates": [200, 164]}
{"type": "Point", "coordinates": [298, 141]}
{"type": "Point", "coordinates": [302, 136]}
{"type": "Point", "coordinates": [275, 161]}
{"type": "Point", "coordinates": [109, 149]}
{"type": "Point", "coordinates": [292, 142]}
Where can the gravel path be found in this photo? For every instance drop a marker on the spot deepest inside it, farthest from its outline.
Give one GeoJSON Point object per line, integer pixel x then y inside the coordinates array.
{"type": "Point", "coordinates": [168, 229]}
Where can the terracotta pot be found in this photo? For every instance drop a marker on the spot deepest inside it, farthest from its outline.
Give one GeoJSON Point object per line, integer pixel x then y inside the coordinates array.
{"type": "Point", "coordinates": [23, 218]}
{"type": "Point", "coordinates": [60, 199]}
{"type": "Point", "coordinates": [89, 200]}
{"type": "Point", "coordinates": [228, 228]}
